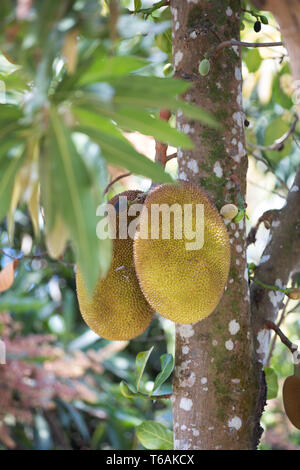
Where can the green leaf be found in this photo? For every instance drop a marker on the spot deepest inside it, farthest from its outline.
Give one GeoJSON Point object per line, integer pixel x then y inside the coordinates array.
{"type": "Point", "coordinates": [278, 94]}
{"type": "Point", "coordinates": [9, 167]}
{"type": "Point", "coordinates": [95, 120]}
{"type": "Point", "coordinates": [164, 41]}
{"type": "Point", "coordinates": [119, 151]}
{"type": "Point", "coordinates": [154, 92]}
{"type": "Point", "coordinates": [194, 112]}
{"type": "Point", "coordinates": [141, 121]}
{"type": "Point", "coordinates": [9, 113]}
{"type": "Point", "coordinates": [140, 364]}
{"type": "Point", "coordinates": [105, 67]}
{"type": "Point", "coordinates": [137, 5]}
{"type": "Point", "coordinates": [131, 119]}
{"type": "Point", "coordinates": [154, 436]}
{"type": "Point", "coordinates": [66, 189]}
{"type": "Point", "coordinates": [264, 19]}
{"type": "Point", "coordinates": [274, 131]}
{"type": "Point", "coordinates": [127, 390]}
{"type": "Point", "coordinates": [167, 366]}
{"type": "Point", "coordinates": [253, 60]}
{"type": "Point", "coordinates": [272, 383]}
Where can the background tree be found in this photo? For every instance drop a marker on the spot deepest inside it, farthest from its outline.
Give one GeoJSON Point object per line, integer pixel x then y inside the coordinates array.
{"type": "Point", "coordinates": [78, 77]}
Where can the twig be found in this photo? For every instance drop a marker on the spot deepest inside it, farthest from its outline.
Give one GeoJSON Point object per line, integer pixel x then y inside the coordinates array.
{"type": "Point", "coordinates": [124, 175]}
{"type": "Point", "coordinates": [272, 345]}
{"type": "Point", "coordinates": [272, 326]}
{"type": "Point", "coordinates": [278, 144]}
{"type": "Point", "coordinates": [234, 42]}
{"type": "Point", "coordinates": [6, 254]}
{"type": "Point", "coordinates": [148, 11]}
{"type": "Point", "coordinates": [266, 189]}
{"type": "Point", "coordinates": [285, 291]}
{"type": "Point", "coordinates": [113, 21]}
{"type": "Point", "coordinates": [267, 218]}
{"type": "Point", "coordinates": [43, 254]}
{"type": "Point", "coordinates": [169, 157]}
{"type": "Point", "coordinates": [263, 160]}
{"type": "Point", "coordinates": [296, 142]}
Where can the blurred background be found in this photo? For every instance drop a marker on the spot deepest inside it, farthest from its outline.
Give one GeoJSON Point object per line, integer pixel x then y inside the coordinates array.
{"type": "Point", "coordinates": [60, 386]}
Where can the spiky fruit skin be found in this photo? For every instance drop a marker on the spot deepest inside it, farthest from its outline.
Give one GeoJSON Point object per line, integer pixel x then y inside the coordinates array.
{"type": "Point", "coordinates": [117, 309]}
{"type": "Point", "coordinates": [183, 285]}
{"type": "Point", "coordinates": [291, 399]}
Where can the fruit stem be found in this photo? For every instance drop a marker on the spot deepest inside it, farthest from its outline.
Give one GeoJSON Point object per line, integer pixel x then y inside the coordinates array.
{"type": "Point", "coordinates": [285, 291]}
{"type": "Point", "coordinates": [297, 369]}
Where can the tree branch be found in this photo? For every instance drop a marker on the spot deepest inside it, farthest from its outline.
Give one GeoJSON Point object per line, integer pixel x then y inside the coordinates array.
{"type": "Point", "coordinates": [284, 339]}
{"type": "Point", "coordinates": [234, 42]}
{"type": "Point", "coordinates": [281, 259]}
{"type": "Point", "coordinates": [118, 178]}
{"type": "Point", "coordinates": [278, 144]}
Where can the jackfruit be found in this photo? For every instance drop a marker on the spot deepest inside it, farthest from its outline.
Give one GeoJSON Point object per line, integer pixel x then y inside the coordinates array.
{"type": "Point", "coordinates": [182, 282]}
{"type": "Point", "coordinates": [291, 399]}
{"type": "Point", "coordinates": [117, 309]}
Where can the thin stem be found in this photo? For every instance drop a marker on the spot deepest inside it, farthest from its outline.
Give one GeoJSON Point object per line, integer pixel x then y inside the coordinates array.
{"type": "Point", "coordinates": [149, 11]}
{"type": "Point", "coordinates": [284, 339]}
{"type": "Point", "coordinates": [234, 42]}
{"type": "Point", "coordinates": [263, 160]}
{"type": "Point", "coordinates": [269, 287]}
{"type": "Point", "coordinates": [272, 345]}
{"type": "Point", "coordinates": [266, 189]}
{"type": "Point", "coordinates": [278, 144]}
{"type": "Point", "coordinates": [118, 178]}
{"type": "Point", "coordinates": [170, 157]}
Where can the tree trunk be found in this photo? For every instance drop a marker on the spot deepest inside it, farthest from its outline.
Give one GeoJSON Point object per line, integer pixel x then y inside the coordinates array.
{"type": "Point", "coordinates": [218, 381]}
{"type": "Point", "coordinates": [282, 254]}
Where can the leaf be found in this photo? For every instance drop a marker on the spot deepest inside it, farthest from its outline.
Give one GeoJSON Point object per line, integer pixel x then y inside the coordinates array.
{"type": "Point", "coordinates": [56, 238]}
{"type": "Point", "coordinates": [7, 276]}
{"type": "Point", "coordinates": [154, 436]}
{"type": "Point", "coordinates": [33, 207]}
{"type": "Point", "coordinates": [141, 121]}
{"type": "Point", "coordinates": [78, 420]}
{"type": "Point", "coordinates": [155, 92]}
{"type": "Point", "coordinates": [9, 167]}
{"type": "Point", "coordinates": [42, 433]}
{"type": "Point", "coordinates": [272, 383]}
{"type": "Point", "coordinates": [253, 60]}
{"type": "Point", "coordinates": [140, 364]}
{"type": "Point", "coordinates": [137, 5]}
{"type": "Point", "coordinates": [167, 366]}
{"type": "Point", "coordinates": [70, 50]}
{"type": "Point", "coordinates": [126, 390]}
{"type": "Point", "coordinates": [95, 120]}
{"type": "Point", "coordinates": [194, 112]}
{"type": "Point", "coordinates": [119, 151]}
{"type": "Point", "coordinates": [66, 188]}
{"type": "Point", "coordinates": [274, 131]}
{"type": "Point", "coordinates": [105, 67]}
{"type": "Point", "coordinates": [279, 95]}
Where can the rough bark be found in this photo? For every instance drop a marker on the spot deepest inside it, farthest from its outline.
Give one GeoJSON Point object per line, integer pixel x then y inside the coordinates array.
{"type": "Point", "coordinates": [216, 404]}
{"type": "Point", "coordinates": [280, 260]}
